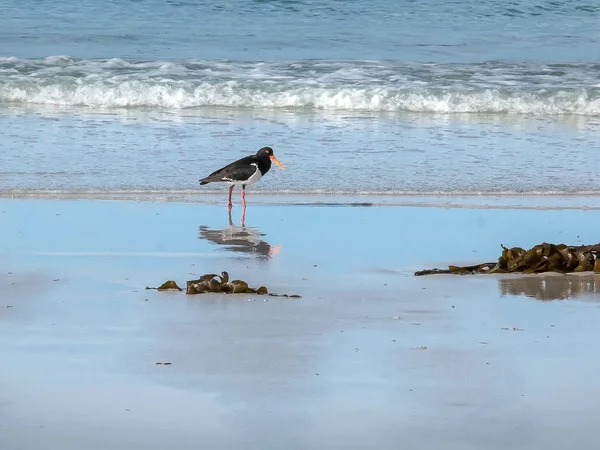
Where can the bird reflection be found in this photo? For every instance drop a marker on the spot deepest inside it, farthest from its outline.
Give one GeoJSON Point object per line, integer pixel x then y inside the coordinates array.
{"type": "Point", "coordinates": [552, 287]}
{"type": "Point", "coordinates": [240, 239]}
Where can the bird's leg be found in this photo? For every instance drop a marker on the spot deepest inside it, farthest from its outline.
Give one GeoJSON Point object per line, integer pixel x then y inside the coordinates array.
{"type": "Point", "coordinates": [230, 220]}
{"type": "Point", "coordinates": [243, 219]}
{"type": "Point", "coordinates": [244, 196]}
{"type": "Point", "coordinates": [229, 204]}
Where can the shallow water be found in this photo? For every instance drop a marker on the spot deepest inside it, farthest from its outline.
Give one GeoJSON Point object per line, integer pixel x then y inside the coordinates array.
{"type": "Point", "coordinates": [338, 153]}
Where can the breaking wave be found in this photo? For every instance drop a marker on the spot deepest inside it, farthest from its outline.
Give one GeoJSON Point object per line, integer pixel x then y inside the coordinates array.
{"type": "Point", "coordinates": [377, 86]}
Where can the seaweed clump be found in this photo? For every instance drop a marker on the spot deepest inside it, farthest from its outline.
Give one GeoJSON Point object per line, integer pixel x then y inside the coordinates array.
{"type": "Point", "coordinates": [213, 283]}
{"type": "Point", "coordinates": [541, 258]}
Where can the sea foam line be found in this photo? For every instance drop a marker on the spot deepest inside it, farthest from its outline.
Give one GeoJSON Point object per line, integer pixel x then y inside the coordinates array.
{"type": "Point", "coordinates": [378, 86]}
{"type": "Point", "coordinates": [160, 193]}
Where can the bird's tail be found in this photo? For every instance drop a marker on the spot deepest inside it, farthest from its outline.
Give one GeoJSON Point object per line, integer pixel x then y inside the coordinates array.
{"type": "Point", "coordinates": [204, 181]}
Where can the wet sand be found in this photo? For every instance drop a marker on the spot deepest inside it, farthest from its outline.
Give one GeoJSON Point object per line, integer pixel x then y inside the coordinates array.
{"type": "Point", "coordinates": [369, 357]}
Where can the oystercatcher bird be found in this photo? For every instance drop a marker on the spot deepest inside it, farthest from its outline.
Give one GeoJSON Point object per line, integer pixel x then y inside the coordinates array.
{"type": "Point", "coordinates": [243, 172]}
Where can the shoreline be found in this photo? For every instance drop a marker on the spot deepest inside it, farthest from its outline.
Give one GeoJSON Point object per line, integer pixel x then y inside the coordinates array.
{"type": "Point", "coordinates": [549, 201]}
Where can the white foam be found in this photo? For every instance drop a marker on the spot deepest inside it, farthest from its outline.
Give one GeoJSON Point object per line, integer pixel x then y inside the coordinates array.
{"type": "Point", "coordinates": [320, 85]}
{"type": "Point", "coordinates": [164, 193]}
{"type": "Point", "coordinates": [476, 200]}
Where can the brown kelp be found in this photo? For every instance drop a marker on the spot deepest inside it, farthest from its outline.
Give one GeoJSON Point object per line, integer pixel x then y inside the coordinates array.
{"type": "Point", "coordinates": [541, 258]}
{"type": "Point", "coordinates": [213, 283]}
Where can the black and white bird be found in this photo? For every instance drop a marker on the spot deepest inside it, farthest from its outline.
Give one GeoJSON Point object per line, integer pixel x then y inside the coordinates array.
{"type": "Point", "coordinates": [244, 172]}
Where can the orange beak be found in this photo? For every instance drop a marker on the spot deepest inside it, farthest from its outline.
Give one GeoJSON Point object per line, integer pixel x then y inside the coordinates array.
{"type": "Point", "coordinates": [272, 158]}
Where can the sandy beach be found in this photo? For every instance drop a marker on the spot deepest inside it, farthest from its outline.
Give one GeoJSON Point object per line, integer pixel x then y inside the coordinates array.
{"type": "Point", "coordinates": [369, 357]}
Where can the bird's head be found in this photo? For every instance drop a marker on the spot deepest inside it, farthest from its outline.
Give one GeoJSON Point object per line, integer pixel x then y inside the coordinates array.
{"type": "Point", "coordinates": [268, 153]}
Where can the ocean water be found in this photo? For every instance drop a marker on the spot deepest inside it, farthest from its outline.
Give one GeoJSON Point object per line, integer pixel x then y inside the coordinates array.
{"type": "Point", "coordinates": [364, 98]}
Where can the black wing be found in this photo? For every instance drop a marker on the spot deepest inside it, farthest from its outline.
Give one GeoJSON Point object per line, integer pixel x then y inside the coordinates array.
{"type": "Point", "coordinates": [239, 170]}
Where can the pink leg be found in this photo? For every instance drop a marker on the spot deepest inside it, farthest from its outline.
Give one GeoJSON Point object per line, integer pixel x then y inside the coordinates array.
{"type": "Point", "coordinates": [244, 196]}
{"type": "Point", "coordinates": [229, 204]}
{"type": "Point", "coordinates": [243, 219]}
